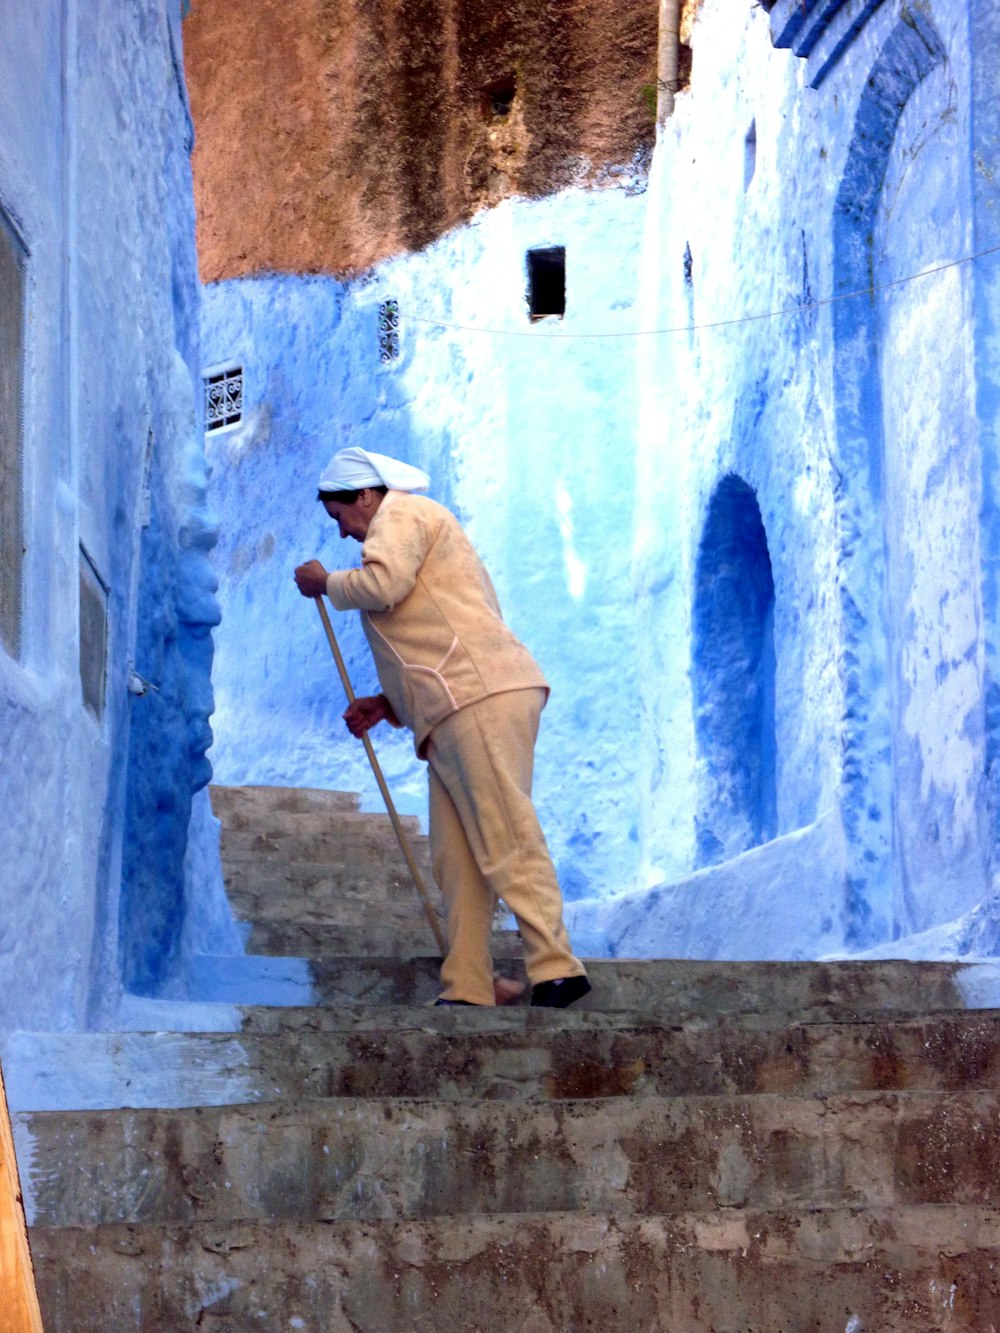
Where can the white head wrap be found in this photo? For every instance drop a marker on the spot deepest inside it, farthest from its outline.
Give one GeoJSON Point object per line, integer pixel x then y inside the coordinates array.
{"type": "Point", "coordinates": [353, 469]}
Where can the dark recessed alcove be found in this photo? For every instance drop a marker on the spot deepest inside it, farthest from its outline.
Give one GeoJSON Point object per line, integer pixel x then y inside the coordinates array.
{"type": "Point", "coordinates": [547, 282]}
{"type": "Point", "coordinates": [733, 673]}
{"type": "Point", "coordinates": [750, 154]}
{"type": "Point", "coordinates": [13, 258]}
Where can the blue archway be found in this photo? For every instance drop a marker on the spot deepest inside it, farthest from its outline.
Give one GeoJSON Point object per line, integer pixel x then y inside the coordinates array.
{"type": "Point", "coordinates": [911, 51]}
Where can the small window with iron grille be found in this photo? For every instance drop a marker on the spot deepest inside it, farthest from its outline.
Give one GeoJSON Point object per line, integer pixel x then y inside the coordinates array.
{"type": "Point", "coordinates": [388, 331]}
{"type": "Point", "coordinates": [223, 397]}
{"type": "Point", "coordinates": [13, 257]}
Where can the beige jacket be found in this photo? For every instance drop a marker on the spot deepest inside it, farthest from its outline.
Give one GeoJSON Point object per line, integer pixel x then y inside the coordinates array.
{"type": "Point", "coordinates": [430, 615]}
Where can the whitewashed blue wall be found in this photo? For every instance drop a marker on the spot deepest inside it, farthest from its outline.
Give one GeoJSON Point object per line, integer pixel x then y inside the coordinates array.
{"type": "Point", "coordinates": [529, 437]}
{"type": "Point", "coordinates": [94, 172]}
{"type": "Point", "coordinates": [856, 425]}
{"type": "Point", "coordinates": [786, 777]}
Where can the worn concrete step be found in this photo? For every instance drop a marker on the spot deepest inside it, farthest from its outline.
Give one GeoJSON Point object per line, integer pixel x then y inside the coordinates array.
{"type": "Point", "coordinates": [372, 907]}
{"type": "Point", "coordinates": [399, 938]}
{"type": "Point", "coordinates": [651, 986]}
{"type": "Point", "coordinates": [302, 823]}
{"type": "Point", "coordinates": [404, 1158]}
{"type": "Point", "coordinates": [530, 1055]}
{"type": "Point", "coordinates": [399, 903]}
{"type": "Point", "coordinates": [401, 914]}
{"type": "Point", "coordinates": [339, 844]}
{"type": "Point", "coordinates": [268, 800]}
{"type": "Point", "coordinates": [248, 980]}
{"type": "Point", "coordinates": [308, 893]}
{"type": "Point", "coordinates": [392, 939]}
{"type": "Point", "coordinates": [900, 1270]}
{"type": "Point", "coordinates": [284, 980]}
{"type": "Point", "coordinates": [267, 888]}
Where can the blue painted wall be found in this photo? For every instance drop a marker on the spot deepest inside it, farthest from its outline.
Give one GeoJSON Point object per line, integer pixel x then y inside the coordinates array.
{"type": "Point", "coordinates": [94, 172]}
{"type": "Point", "coordinates": [855, 424]}
{"type": "Point", "coordinates": [858, 589]}
{"type": "Point", "coordinates": [527, 434]}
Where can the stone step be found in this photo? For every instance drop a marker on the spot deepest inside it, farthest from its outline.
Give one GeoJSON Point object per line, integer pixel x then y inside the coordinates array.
{"type": "Point", "coordinates": [330, 900]}
{"type": "Point", "coordinates": [526, 1054]}
{"type": "Point", "coordinates": [904, 1269]}
{"type": "Point", "coordinates": [261, 891]}
{"type": "Point", "coordinates": [266, 888]}
{"type": "Point", "coordinates": [283, 980]}
{"type": "Point", "coordinates": [306, 823]}
{"type": "Point", "coordinates": [400, 939]}
{"type": "Point", "coordinates": [361, 1158]}
{"type": "Point", "coordinates": [405, 938]}
{"type": "Point", "coordinates": [267, 893]}
{"type": "Point", "coordinates": [353, 1017]}
{"type": "Point", "coordinates": [268, 800]}
{"type": "Point", "coordinates": [650, 986]}
{"type": "Point", "coordinates": [359, 846]}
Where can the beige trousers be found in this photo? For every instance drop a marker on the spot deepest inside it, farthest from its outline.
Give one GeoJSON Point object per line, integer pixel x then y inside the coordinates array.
{"type": "Point", "coordinates": [487, 843]}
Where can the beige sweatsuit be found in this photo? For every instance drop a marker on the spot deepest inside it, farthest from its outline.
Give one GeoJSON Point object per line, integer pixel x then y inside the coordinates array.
{"type": "Point", "coordinates": [472, 694]}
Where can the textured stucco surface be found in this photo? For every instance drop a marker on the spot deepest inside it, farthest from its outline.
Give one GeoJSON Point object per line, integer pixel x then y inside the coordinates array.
{"type": "Point", "coordinates": [529, 437]}
{"type": "Point", "coordinates": [38, 745]}
{"type": "Point", "coordinates": [94, 171]}
{"type": "Point", "coordinates": [853, 425]}
{"type": "Point", "coordinates": [333, 136]}
{"type": "Point", "coordinates": [592, 473]}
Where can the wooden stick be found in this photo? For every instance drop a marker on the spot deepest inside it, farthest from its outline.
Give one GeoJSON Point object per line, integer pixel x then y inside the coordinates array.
{"type": "Point", "coordinates": [418, 879]}
{"type": "Point", "coordinates": [19, 1312]}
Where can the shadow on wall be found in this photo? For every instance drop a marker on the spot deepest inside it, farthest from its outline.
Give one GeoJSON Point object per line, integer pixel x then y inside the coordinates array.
{"type": "Point", "coordinates": [169, 731]}
{"type": "Point", "coordinates": [733, 678]}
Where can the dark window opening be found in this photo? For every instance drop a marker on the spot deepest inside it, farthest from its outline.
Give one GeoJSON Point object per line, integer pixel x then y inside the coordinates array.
{"type": "Point", "coordinates": [223, 398]}
{"type": "Point", "coordinates": [547, 282]}
{"type": "Point", "coordinates": [93, 635]}
{"type": "Point", "coordinates": [497, 98]}
{"type": "Point", "coordinates": [12, 294]}
{"type": "Point", "coordinates": [750, 154]}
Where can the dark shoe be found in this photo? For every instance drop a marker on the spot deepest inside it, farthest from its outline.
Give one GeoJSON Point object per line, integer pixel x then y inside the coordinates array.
{"type": "Point", "coordinates": [468, 1003]}
{"type": "Point", "coordinates": [558, 994]}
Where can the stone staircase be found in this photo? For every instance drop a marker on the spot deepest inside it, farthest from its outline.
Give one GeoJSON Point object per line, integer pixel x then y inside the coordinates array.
{"type": "Point", "coordinates": [696, 1147]}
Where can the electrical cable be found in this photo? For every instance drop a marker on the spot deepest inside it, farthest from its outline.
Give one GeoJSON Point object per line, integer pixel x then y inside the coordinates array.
{"type": "Point", "coordinates": [712, 324]}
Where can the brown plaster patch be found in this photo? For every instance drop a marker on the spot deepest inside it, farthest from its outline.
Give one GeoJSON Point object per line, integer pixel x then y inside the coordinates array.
{"type": "Point", "coordinates": [330, 135]}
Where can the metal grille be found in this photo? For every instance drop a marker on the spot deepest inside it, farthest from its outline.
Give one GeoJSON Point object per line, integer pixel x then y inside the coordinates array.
{"type": "Point", "coordinates": [388, 331]}
{"type": "Point", "coordinates": [224, 398]}
{"type": "Point", "coordinates": [12, 264]}
{"type": "Point", "coordinates": [93, 635]}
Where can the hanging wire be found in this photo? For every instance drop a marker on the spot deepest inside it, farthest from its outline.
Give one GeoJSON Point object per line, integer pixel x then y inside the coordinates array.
{"type": "Point", "coordinates": [718, 323]}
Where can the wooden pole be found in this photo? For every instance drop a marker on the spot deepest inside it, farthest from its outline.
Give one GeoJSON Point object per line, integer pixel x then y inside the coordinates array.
{"type": "Point", "coordinates": [418, 879]}
{"type": "Point", "coordinates": [19, 1312]}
